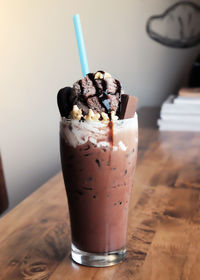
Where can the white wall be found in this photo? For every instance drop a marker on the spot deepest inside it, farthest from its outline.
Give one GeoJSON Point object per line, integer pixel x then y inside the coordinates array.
{"type": "Point", "coordinates": [38, 56]}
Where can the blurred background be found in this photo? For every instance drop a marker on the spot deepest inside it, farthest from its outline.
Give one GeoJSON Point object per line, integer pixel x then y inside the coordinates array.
{"type": "Point", "coordinates": [38, 55]}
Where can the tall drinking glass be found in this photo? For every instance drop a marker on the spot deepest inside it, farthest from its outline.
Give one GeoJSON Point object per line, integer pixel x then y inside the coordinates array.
{"type": "Point", "coordinates": [98, 162]}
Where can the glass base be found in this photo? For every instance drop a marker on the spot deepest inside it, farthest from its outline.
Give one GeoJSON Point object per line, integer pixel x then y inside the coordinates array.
{"type": "Point", "coordinates": [97, 259]}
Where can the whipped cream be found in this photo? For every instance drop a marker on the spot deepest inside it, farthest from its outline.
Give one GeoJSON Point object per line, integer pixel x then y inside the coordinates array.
{"type": "Point", "coordinates": [77, 132]}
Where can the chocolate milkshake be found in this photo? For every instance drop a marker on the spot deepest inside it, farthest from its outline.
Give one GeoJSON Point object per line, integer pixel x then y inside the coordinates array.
{"type": "Point", "coordinates": [98, 146]}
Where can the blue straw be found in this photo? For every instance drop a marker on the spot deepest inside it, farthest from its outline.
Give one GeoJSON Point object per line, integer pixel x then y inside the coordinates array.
{"type": "Point", "coordinates": [81, 45]}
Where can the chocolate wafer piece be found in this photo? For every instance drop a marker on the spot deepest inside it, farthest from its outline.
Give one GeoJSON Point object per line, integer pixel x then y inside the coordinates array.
{"type": "Point", "coordinates": [63, 101]}
{"type": "Point", "coordinates": [128, 106]}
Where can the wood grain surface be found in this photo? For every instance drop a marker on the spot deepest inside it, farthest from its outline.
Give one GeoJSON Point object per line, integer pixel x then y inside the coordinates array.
{"type": "Point", "coordinates": [164, 221]}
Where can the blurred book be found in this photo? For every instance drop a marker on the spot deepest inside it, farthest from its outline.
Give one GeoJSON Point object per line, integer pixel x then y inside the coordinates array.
{"type": "Point", "coordinates": [171, 107]}
{"type": "Point", "coordinates": [187, 100]}
{"type": "Point", "coordinates": [178, 125]}
{"type": "Point", "coordinates": [190, 92]}
{"type": "Point", "coordinates": [182, 112]}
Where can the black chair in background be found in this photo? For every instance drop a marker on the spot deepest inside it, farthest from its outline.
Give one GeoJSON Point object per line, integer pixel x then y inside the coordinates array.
{"type": "Point", "coordinates": [3, 192]}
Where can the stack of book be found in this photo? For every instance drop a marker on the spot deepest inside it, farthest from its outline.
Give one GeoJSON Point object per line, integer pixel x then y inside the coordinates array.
{"type": "Point", "coordinates": [182, 112]}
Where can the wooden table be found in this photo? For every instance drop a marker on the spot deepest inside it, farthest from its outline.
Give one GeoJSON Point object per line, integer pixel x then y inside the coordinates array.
{"type": "Point", "coordinates": [164, 224]}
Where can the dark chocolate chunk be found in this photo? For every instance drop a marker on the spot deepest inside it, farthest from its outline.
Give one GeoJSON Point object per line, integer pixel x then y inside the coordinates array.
{"type": "Point", "coordinates": [112, 85]}
{"type": "Point", "coordinates": [87, 147]}
{"type": "Point", "coordinates": [87, 188]}
{"type": "Point", "coordinates": [87, 155]}
{"type": "Point", "coordinates": [79, 192]}
{"type": "Point", "coordinates": [88, 87]}
{"type": "Point", "coordinates": [114, 102]}
{"type": "Point", "coordinates": [99, 84]}
{"type": "Point", "coordinates": [98, 163]}
{"type": "Point", "coordinates": [77, 89]}
{"type": "Point", "coordinates": [81, 105]}
{"type": "Point", "coordinates": [128, 106]}
{"type": "Point", "coordinates": [131, 152]}
{"type": "Point", "coordinates": [94, 104]}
